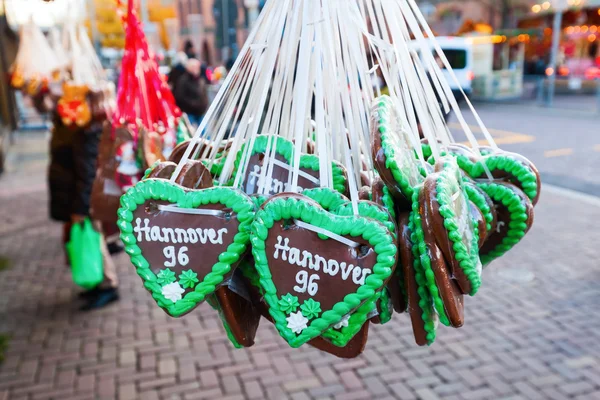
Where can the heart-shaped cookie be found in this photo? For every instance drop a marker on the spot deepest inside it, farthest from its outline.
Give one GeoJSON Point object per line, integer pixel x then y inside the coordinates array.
{"type": "Point", "coordinates": [393, 297]}
{"type": "Point", "coordinates": [184, 243]}
{"type": "Point", "coordinates": [445, 292]}
{"type": "Point", "coordinates": [313, 284]}
{"type": "Point", "coordinates": [465, 157]}
{"type": "Point", "coordinates": [383, 305]}
{"type": "Point", "coordinates": [392, 151]}
{"type": "Point", "coordinates": [456, 233]}
{"type": "Point", "coordinates": [352, 349]}
{"type": "Point", "coordinates": [333, 201]}
{"type": "Point", "coordinates": [515, 218]}
{"type": "Point", "coordinates": [161, 170]}
{"type": "Point", "coordinates": [420, 303]}
{"type": "Point", "coordinates": [282, 155]}
{"type": "Point", "coordinates": [513, 168]}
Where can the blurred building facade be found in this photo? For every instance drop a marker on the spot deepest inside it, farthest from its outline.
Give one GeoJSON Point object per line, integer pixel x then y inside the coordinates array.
{"type": "Point", "coordinates": [450, 16]}
{"type": "Point", "coordinates": [217, 28]}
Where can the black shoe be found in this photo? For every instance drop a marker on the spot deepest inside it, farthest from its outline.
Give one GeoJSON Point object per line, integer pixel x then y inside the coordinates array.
{"type": "Point", "coordinates": [88, 294]}
{"type": "Point", "coordinates": [114, 248]}
{"type": "Point", "coordinates": [102, 299]}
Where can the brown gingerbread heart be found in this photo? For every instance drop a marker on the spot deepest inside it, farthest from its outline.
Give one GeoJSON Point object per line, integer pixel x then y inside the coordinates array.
{"type": "Point", "coordinates": [412, 288]}
{"type": "Point", "coordinates": [439, 233]}
{"type": "Point", "coordinates": [449, 291]}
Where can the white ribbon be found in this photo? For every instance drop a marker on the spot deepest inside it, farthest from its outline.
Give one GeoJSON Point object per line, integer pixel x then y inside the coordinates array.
{"type": "Point", "coordinates": [191, 211]}
{"type": "Point", "coordinates": [329, 234]}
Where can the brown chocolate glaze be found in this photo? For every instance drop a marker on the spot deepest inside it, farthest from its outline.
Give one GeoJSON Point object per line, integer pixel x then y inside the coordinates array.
{"type": "Point", "coordinates": [163, 170]}
{"type": "Point", "coordinates": [397, 298]}
{"type": "Point", "coordinates": [441, 237]}
{"type": "Point", "coordinates": [408, 266]}
{"type": "Point", "coordinates": [377, 192]}
{"type": "Point", "coordinates": [179, 151]}
{"type": "Point", "coordinates": [477, 215]}
{"type": "Point", "coordinates": [364, 193]}
{"type": "Point", "coordinates": [241, 315]}
{"type": "Point", "coordinates": [353, 349]}
{"type": "Point", "coordinates": [379, 161]}
{"type": "Point", "coordinates": [397, 294]}
{"type": "Point", "coordinates": [497, 236]}
{"type": "Point", "coordinates": [195, 175]}
{"type": "Point", "coordinates": [365, 180]}
{"type": "Point", "coordinates": [450, 293]}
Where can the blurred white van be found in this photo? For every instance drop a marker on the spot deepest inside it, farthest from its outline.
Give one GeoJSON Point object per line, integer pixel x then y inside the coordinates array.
{"type": "Point", "coordinates": [459, 52]}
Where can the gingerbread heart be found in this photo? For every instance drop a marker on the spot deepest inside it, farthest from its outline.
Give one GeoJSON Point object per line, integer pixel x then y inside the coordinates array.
{"type": "Point", "coordinates": [485, 205]}
{"type": "Point", "coordinates": [333, 201]}
{"type": "Point", "coordinates": [420, 303]}
{"type": "Point", "coordinates": [513, 168]}
{"type": "Point", "coordinates": [337, 203]}
{"type": "Point", "coordinates": [393, 297]}
{"type": "Point", "coordinates": [392, 151]}
{"type": "Point", "coordinates": [352, 349]}
{"type": "Point", "coordinates": [184, 243]}
{"type": "Point", "coordinates": [313, 283]}
{"type": "Point", "coordinates": [515, 218]}
{"type": "Point", "coordinates": [445, 292]}
{"type": "Point", "coordinates": [455, 231]}
{"type": "Point", "coordinates": [282, 152]}
{"type": "Point", "coordinates": [161, 170]}
{"type": "Point", "coordinates": [383, 305]}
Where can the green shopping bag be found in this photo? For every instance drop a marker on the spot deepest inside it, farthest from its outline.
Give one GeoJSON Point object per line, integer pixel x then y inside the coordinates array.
{"type": "Point", "coordinates": [85, 255]}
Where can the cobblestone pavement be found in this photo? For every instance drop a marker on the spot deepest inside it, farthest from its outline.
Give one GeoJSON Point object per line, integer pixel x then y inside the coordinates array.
{"type": "Point", "coordinates": [531, 333]}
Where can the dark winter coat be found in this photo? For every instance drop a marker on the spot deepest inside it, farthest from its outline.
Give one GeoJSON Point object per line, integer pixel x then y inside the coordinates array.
{"type": "Point", "coordinates": [174, 75]}
{"type": "Point", "coordinates": [72, 169]}
{"type": "Point", "coordinates": [191, 94]}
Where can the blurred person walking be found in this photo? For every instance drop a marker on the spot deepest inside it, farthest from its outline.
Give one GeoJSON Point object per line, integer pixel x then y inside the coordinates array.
{"type": "Point", "coordinates": [177, 69]}
{"type": "Point", "coordinates": [71, 175]}
{"type": "Point", "coordinates": [191, 92]}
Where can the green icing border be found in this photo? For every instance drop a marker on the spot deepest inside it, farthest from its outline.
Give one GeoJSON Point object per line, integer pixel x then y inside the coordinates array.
{"type": "Point", "coordinates": [310, 161]}
{"type": "Point", "coordinates": [384, 107]}
{"type": "Point", "coordinates": [425, 299]}
{"type": "Point", "coordinates": [159, 189]}
{"type": "Point", "coordinates": [464, 162]}
{"type": "Point", "coordinates": [385, 315]}
{"type": "Point", "coordinates": [284, 148]}
{"type": "Point", "coordinates": [526, 177]}
{"type": "Point", "coordinates": [465, 259]}
{"type": "Point", "coordinates": [418, 239]}
{"type": "Point", "coordinates": [376, 234]}
{"type": "Point", "coordinates": [150, 169]}
{"type": "Point", "coordinates": [481, 203]}
{"type": "Point", "coordinates": [328, 199]}
{"type": "Point", "coordinates": [335, 202]}
{"type": "Point", "coordinates": [518, 214]}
